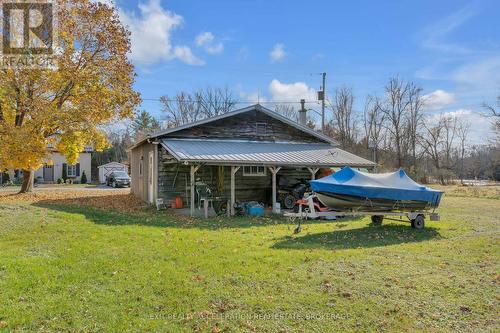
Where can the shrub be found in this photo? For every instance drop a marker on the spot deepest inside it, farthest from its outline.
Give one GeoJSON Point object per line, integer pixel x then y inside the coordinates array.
{"type": "Point", "coordinates": [65, 172]}
{"type": "Point", "coordinates": [5, 177]}
{"type": "Point", "coordinates": [60, 180]}
{"type": "Point", "coordinates": [83, 180]}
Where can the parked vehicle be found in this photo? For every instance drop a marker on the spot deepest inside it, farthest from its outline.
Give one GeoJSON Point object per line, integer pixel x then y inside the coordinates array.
{"type": "Point", "coordinates": [288, 193]}
{"type": "Point", "coordinates": [118, 179]}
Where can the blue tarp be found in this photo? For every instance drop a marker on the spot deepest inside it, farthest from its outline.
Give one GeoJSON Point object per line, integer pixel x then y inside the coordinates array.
{"type": "Point", "coordinates": [393, 186]}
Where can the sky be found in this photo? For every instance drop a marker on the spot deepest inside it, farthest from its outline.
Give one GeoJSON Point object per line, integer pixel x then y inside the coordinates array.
{"type": "Point", "coordinates": [274, 50]}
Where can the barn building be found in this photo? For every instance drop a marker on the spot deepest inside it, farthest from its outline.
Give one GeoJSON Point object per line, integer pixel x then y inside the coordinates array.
{"type": "Point", "coordinates": [238, 155]}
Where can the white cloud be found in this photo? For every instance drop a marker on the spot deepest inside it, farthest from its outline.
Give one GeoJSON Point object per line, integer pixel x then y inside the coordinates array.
{"type": "Point", "coordinates": [439, 99]}
{"type": "Point", "coordinates": [479, 132]}
{"type": "Point", "coordinates": [484, 73]}
{"type": "Point", "coordinates": [151, 35]}
{"type": "Point", "coordinates": [435, 35]}
{"type": "Point", "coordinates": [186, 55]}
{"type": "Point", "coordinates": [278, 52]}
{"type": "Point", "coordinates": [252, 98]}
{"type": "Point", "coordinates": [291, 92]}
{"type": "Point", "coordinates": [206, 40]}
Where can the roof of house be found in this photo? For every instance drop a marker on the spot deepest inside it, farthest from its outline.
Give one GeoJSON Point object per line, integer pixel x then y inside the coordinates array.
{"type": "Point", "coordinates": [257, 107]}
{"type": "Point", "coordinates": [111, 164]}
{"type": "Point", "coordinates": [261, 153]}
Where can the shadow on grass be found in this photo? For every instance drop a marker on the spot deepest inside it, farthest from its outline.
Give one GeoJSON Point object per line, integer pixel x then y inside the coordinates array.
{"type": "Point", "coordinates": [366, 237]}
{"type": "Point", "coordinates": [148, 216]}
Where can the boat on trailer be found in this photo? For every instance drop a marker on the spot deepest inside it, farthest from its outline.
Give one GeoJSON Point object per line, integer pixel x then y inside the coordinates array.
{"type": "Point", "coordinates": [355, 190]}
{"type": "Point", "coordinates": [349, 192]}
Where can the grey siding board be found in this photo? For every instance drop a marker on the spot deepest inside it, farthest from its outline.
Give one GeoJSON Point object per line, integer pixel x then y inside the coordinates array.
{"type": "Point", "coordinates": [139, 183]}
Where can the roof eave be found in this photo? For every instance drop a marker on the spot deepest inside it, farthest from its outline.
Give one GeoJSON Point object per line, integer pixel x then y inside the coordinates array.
{"type": "Point", "coordinates": [270, 163]}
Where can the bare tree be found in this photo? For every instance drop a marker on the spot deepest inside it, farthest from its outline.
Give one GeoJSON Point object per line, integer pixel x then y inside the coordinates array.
{"type": "Point", "coordinates": [288, 111]}
{"type": "Point", "coordinates": [181, 109]}
{"type": "Point", "coordinates": [431, 141]}
{"type": "Point", "coordinates": [449, 134]}
{"type": "Point", "coordinates": [414, 119]}
{"type": "Point", "coordinates": [343, 121]}
{"type": "Point", "coordinates": [462, 134]}
{"type": "Point", "coordinates": [373, 119]}
{"type": "Point", "coordinates": [395, 108]}
{"type": "Point", "coordinates": [215, 101]}
{"type": "Point", "coordinates": [186, 107]}
{"type": "Point", "coordinates": [494, 114]}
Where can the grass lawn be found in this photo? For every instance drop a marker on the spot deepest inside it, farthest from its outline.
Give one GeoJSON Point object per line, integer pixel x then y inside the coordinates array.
{"type": "Point", "coordinates": [65, 266]}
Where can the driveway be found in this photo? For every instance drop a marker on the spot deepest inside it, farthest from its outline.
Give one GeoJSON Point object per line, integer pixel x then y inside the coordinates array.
{"type": "Point", "coordinates": [72, 187]}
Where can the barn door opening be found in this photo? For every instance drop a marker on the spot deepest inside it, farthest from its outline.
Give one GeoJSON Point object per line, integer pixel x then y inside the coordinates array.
{"type": "Point", "coordinates": [150, 177]}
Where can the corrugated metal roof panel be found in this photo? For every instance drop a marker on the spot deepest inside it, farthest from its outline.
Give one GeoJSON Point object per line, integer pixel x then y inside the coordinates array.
{"type": "Point", "coordinates": [268, 153]}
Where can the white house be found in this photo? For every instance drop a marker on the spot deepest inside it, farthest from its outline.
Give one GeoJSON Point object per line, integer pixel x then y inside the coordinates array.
{"type": "Point", "coordinates": [107, 168]}
{"type": "Point", "coordinates": [51, 171]}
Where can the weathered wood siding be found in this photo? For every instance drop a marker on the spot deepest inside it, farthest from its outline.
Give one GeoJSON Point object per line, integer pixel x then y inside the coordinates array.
{"type": "Point", "coordinates": [174, 180]}
{"type": "Point", "coordinates": [247, 126]}
{"type": "Point", "coordinates": [139, 183]}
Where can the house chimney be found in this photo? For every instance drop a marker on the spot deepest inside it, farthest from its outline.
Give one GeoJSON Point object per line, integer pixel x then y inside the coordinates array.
{"type": "Point", "coordinates": [302, 113]}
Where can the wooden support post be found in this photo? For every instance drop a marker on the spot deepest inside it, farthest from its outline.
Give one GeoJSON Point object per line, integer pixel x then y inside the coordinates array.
{"type": "Point", "coordinates": [274, 171]}
{"type": "Point", "coordinates": [234, 169]}
{"type": "Point", "coordinates": [194, 168]}
{"type": "Point", "coordinates": [313, 172]}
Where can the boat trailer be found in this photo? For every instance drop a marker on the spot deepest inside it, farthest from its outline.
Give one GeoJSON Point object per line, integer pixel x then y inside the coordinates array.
{"type": "Point", "coordinates": [308, 209]}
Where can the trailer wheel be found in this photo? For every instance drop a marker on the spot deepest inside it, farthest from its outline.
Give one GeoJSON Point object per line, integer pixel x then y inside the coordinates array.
{"type": "Point", "coordinates": [418, 222]}
{"type": "Point", "coordinates": [377, 219]}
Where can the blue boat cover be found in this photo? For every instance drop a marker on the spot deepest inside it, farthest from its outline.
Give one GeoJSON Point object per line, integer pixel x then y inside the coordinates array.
{"type": "Point", "coordinates": [393, 186]}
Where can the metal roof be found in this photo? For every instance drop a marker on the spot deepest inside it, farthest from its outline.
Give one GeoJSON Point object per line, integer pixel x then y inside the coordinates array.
{"type": "Point", "coordinates": [257, 107]}
{"type": "Point", "coordinates": [229, 152]}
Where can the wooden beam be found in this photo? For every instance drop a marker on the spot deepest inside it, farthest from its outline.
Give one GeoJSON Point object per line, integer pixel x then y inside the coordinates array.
{"type": "Point", "coordinates": [274, 171]}
{"type": "Point", "coordinates": [194, 168]}
{"type": "Point", "coordinates": [313, 172]}
{"type": "Point", "coordinates": [234, 169]}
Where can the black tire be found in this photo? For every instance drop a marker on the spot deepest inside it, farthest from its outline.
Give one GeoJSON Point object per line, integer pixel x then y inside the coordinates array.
{"type": "Point", "coordinates": [220, 208]}
{"type": "Point", "coordinates": [288, 201]}
{"type": "Point", "coordinates": [418, 222]}
{"type": "Point", "coordinates": [377, 219]}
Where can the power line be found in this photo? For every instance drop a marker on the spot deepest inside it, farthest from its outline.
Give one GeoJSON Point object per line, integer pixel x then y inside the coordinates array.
{"type": "Point", "coordinates": [232, 102]}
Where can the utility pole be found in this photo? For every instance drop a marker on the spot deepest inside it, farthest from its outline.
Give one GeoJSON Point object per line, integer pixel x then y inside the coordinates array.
{"type": "Point", "coordinates": [323, 89]}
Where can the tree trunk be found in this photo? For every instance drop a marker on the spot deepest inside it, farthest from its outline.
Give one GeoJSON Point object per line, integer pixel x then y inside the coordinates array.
{"type": "Point", "coordinates": [28, 180]}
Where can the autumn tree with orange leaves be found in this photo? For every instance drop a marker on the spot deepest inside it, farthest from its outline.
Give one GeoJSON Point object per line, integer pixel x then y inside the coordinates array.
{"type": "Point", "coordinates": [65, 106]}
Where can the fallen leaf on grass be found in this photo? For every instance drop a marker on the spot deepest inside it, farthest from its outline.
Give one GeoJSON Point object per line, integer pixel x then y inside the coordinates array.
{"type": "Point", "coordinates": [464, 308]}
{"type": "Point", "coordinates": [346, 294]}
{"type": "Point", "coordinates": [199, 278]}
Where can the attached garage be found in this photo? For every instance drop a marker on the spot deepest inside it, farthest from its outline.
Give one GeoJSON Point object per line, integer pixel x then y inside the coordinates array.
{"type": "Point", "coordinates": [107, 168]}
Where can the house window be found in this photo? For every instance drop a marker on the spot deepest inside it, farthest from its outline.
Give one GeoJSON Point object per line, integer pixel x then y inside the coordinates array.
{"type": "Point", "coordinates": [71, 171]}
{"type": "Point", "coordinates": [252, 170]}
{"type": "Point", "coordinates": [140, 165]}
{"type": "Point", "coordinates": [261, 128]}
